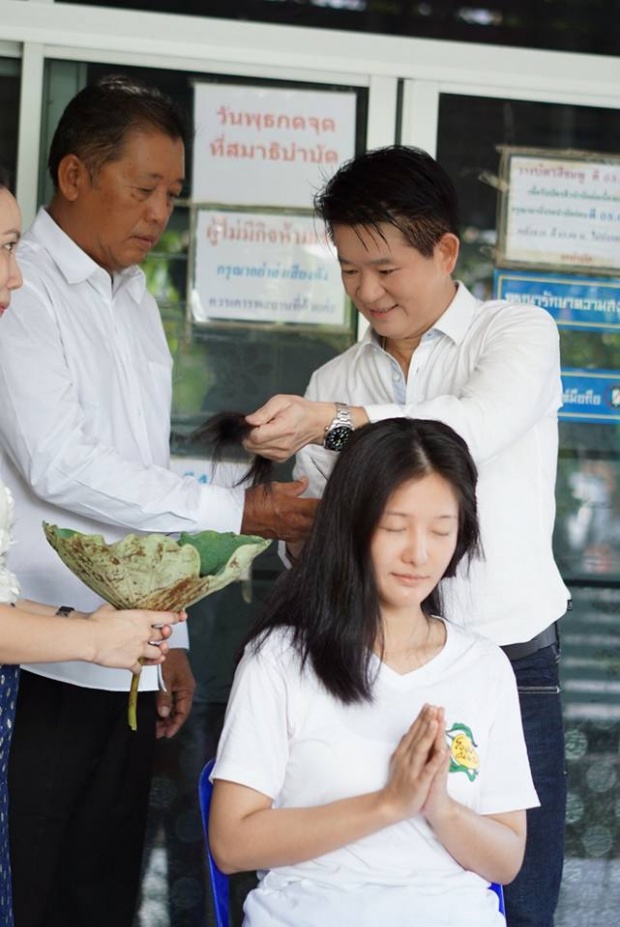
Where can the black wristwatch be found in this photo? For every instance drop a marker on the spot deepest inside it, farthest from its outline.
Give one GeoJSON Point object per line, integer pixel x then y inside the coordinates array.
{"type": "Point", "coordinates": [340, 430]}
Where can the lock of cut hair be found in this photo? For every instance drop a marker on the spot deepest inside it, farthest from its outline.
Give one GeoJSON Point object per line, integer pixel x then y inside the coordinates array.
{"type": "Point", "coordinates": [227, 430]}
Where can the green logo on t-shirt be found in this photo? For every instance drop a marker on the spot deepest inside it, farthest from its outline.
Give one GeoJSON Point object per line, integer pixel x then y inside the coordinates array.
{"type": "Point", "coordinates": [463, 756]}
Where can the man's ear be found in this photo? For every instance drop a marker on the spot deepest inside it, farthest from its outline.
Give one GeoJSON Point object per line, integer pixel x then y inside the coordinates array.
{"type": "Point", "coordinates": [447, 250]}
{"type": "Point", "coordinates": [73, 176]}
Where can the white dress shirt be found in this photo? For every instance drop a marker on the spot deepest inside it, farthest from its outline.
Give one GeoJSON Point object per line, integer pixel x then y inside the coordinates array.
{"type": "Point", "coordinates": [85, 393]}
{"type": "Point", "coordinates": [490, 370]}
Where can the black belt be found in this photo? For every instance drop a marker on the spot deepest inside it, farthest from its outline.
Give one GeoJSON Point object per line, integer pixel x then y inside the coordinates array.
{"type": "Point", "coordinates": [527, 648]}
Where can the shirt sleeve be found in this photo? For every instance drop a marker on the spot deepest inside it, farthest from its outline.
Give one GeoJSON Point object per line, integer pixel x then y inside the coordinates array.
{"type": "Point", "coordinates": [514, 384]}
{"type": "Point", "coordinates": [253, 749]}
{"type": "Point", "coordinates": [44, 429]}
{"type": "Point", "coordinates": [505, 777]}
{"type": "Point", "coordinates": [314, 461]}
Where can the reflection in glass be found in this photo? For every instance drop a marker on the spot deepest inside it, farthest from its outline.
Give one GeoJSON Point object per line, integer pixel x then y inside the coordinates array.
{"type": "Point", "coordinates": [580, 26]}
{"type": "Point", "coordinates": [587, 535]}
{"type": "Point", "coordinates": [10, 79]}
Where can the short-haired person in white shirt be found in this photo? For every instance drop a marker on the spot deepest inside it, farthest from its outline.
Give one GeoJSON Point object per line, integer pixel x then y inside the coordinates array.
{"type": "Point", "coordinates": [85, 386]}
{"type": "Point", "coordinates": [372, 764]}
{"type": "Point", "coordinates": [32, 631]}
{"type": "Point", "coordinates": [490, 370]}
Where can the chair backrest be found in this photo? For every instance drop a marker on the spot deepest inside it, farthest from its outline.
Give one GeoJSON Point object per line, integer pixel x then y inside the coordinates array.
{"type": "Point", "coordinates": [219, 882]}
{"type": "Point", "coordinates": [499, 891]}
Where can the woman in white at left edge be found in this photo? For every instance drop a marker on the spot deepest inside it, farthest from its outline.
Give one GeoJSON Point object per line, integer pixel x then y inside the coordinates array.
{"type": "Point", "coordinates": [31, 632]}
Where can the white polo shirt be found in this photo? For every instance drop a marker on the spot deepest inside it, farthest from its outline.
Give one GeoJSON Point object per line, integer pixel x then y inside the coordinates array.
{"type": "Point", "coordinates": [490, 370]}
{"type": "Point", "coordinates": [85, 387]}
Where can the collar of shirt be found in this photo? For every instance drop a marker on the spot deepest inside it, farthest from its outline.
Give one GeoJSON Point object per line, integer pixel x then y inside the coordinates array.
{"type": "Point", "coordinates": [76, 266]}
{"type": "Point", "coordinates": [456, 320]}
{"type": "Point", "coordinates": [454, 323]}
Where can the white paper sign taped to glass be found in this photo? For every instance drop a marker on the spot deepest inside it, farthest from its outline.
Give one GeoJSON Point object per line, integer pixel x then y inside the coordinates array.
{"type": "Point", "coordinates": [591, 303]}
{"type": "Point", "coordinates": [261, 267]}
{"type": "Point", "coordinates": [265, 146]}
{"type": "Point", "coordinates": [591, 396]}
{"type": "Point", "coordinates": [560, 209]}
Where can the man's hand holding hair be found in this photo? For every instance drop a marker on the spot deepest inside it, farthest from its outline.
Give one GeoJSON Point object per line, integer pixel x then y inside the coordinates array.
{"type": "Point", "coordinates": [285, 424]}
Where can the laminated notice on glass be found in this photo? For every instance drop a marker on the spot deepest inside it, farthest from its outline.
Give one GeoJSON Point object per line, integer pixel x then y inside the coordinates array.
{"type": "Point", "coordinates": [272, 267]}
{"type": "Point", "coordinates": [559, 209]}
{"type": "Point", "coordinates": [591, 396]}
{"type": "Point", "coordinates": [268, 146]}
{"type": "Point", "coordinates": [586, 303]}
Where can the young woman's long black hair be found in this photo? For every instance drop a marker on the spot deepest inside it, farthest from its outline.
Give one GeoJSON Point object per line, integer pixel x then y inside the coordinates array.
{"type": "Point", "coordinates": [329, 598]}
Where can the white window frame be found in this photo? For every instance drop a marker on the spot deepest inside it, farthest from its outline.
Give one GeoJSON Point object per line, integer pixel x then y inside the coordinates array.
{"type": "Point", "coordinates": [42, 29]}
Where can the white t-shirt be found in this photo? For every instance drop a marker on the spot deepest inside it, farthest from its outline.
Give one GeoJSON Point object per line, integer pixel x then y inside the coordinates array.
{"type": "Point", "coordinates": [492, 372]}
{"type": "Point", "coordinates": [289, 739]}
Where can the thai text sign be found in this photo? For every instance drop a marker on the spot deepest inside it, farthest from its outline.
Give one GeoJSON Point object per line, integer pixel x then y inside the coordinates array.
{"type": "Point", "coordinates": [560, 209]}
{"type": "Point", "coordinates": [591, 396]}
{"type": "Point", "coordinates": [261, 146]}
{"type": "Point", "coordinates": [262, 267]}
{"type": "Point", "coordinates": [574, 302]}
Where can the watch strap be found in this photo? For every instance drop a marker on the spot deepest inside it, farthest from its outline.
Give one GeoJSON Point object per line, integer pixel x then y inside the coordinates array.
{"type": "Point", "coordinates": [343, 417]}
{"type": "Point", "coordinates": [340, 428]}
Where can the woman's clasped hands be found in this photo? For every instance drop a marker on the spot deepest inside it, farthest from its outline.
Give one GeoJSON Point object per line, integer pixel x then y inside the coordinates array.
{"type": "Point", "coordinates": [417, 782]}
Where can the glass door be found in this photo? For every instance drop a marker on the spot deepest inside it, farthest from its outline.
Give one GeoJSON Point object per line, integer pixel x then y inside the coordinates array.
{"type": "Point", "coordinates": [471, 133]}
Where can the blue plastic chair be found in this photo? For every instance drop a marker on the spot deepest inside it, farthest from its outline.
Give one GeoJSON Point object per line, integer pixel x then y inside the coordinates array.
{"type": "Point", "coordinates": [220, 888]}
{"type": "Point", "coordinates": [219, 882]}
{"type": "Point", "coordinates": [499, 891]}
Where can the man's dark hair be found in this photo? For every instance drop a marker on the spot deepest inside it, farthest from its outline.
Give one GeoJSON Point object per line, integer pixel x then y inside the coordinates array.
{"type": "Point", "coordinates": [96, 122]}
{"type": "Point", "coordinates": [399, 185]}
{"type": "Point", "coordinates": [4, 178]}
{"type": "Point", "coordinates": [329, 599]}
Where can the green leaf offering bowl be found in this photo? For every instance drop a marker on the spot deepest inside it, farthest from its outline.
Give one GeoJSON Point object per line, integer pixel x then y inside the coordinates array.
{"type": "Point", "coordinates": [154, 571]}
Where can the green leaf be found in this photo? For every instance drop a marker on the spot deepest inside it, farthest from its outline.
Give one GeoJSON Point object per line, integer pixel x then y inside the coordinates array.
{"type": "Point", "coordinates": [216, 549]}
{"type": "Point", "coordinates": [151, 571]}
{"type": "Point", "coordinates": [66, 532]}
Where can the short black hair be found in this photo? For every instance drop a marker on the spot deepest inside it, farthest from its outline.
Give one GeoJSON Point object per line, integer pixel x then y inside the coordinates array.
{"type": "Point", "coordinates": [96, 122]}
{"type": "Point", "coordinates": [4, 178]}
{"type": "Point", "coordinates": [399, 185]}
{"type": "Point", "coordinates": [330, 599]}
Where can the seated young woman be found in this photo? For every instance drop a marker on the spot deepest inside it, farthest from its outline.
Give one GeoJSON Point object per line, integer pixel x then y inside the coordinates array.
{"type": "Point", "coordinates": [372, 765]}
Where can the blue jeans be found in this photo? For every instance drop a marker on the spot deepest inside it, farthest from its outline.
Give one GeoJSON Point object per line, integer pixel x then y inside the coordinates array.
{"type": "Point", "coordinates": [532, 898]}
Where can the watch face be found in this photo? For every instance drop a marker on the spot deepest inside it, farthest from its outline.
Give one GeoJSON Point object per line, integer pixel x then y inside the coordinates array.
{"type": "Point", "coordinates": [337, 437]}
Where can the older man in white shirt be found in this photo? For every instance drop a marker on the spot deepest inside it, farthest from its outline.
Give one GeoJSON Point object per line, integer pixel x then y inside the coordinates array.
{"type": "Point", "coordinates": [85, 381]}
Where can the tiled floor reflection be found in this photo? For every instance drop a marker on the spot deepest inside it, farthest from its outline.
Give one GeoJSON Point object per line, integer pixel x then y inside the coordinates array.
{"type": "Point", "coordinates": [174, 889]}
{"type": "Point", "coordinates": [590, 894]}
{"type": "Point", "coordinates": [591, 694]}
{"type": "Point", "coordinates": [154, 908]}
